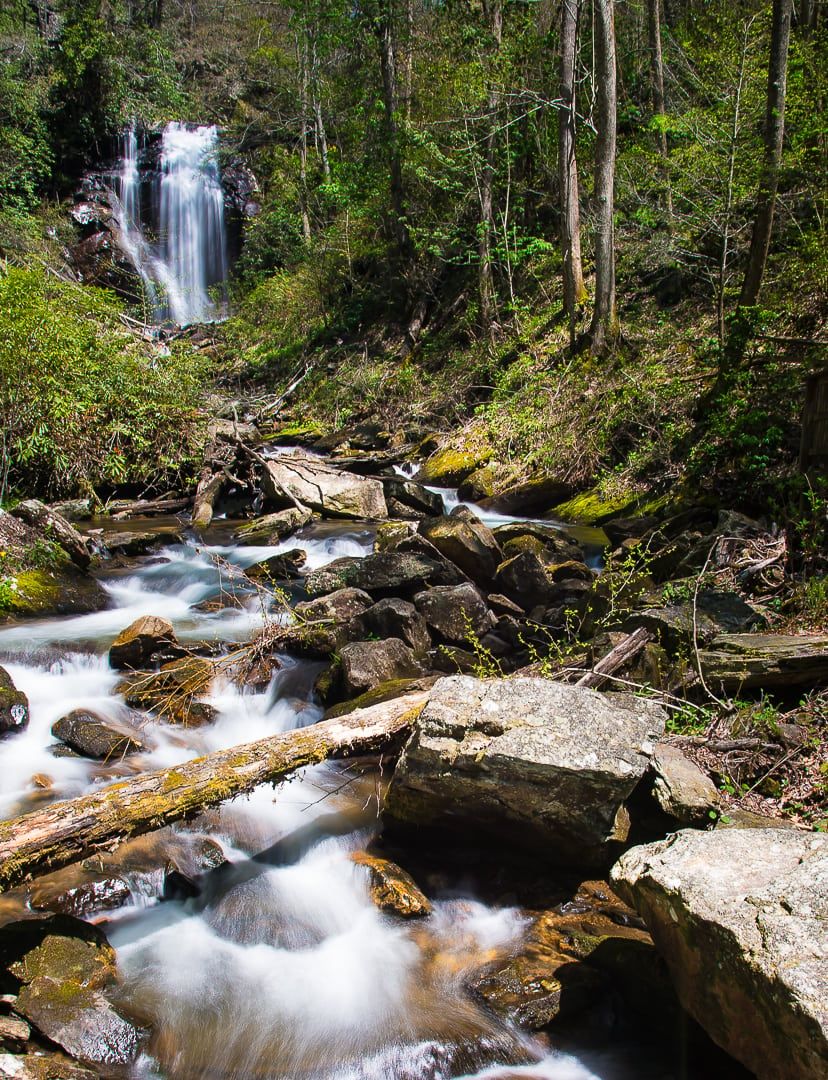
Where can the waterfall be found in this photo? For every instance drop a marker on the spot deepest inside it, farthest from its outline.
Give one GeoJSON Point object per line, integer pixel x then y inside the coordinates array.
{"type": "Point", "coordinates": [179, 247]}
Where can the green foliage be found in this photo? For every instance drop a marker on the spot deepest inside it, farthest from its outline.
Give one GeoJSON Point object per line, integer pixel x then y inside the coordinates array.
{"type": "Point", "coordinates": [82, 403]}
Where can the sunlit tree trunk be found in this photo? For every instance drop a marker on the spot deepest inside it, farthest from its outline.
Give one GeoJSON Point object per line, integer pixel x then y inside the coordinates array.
{"type": "Point", "coordinates": [659, 109]}
{"type": "Point", "coordinates": [604, 327]}
{"type": "Point", "coordinates": [383, 26]}
{"type": "Point", "coordinates": [494, 13]}
{"type": "Point", "coordinates": [773, 136]}
{"type": "Point", "coordinates": [573, 275]}
{"type": "Point", "coordinates": [302, 57]}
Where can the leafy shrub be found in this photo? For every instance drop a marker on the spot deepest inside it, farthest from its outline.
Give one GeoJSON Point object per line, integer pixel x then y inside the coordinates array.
{"type": "Point", "coordinates": [83, 402]}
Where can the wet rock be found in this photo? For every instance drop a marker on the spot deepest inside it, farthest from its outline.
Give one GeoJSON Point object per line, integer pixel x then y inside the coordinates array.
{"type": "Point", "coordinates": [138, 543]}
{"type": "Point", "coordinates": [412, 496]}
{"type": "Point", "coordinates": [322, 625]}
{"type": "Point", "coordinates": [59, 967]}
{"type": "Point", "coordinates": [14, 706]}
{"type": "Point", "coordinates": [52, 526]}
{"type": "Point", "coordinates": [455, 612]}
{"type": "Point", "coordinates": [79, 892]}
{"type": "Point", "coordinates": [330, 491]}
{"type": "Point", "coordinates": [683, 791]}
{"type": "Point", "coordinates": [366, 664]}
{"type": "Point", "coordinates": [481, 483]}
{"type": "Point", "coordinates": [42, 1066]}
{"type": "Point", "coordinates": [535, 765]}
{"type": "Point", "coordinates": [741, 917]}
{"type": "Point", "coordinates": [390, 533]}
{"type": "Point", "coordinates": [620, 529]}
{"type": "Point", "coordinates": [383, 573]}
{"type": "Point", "coordinates": [14, 1029]}
{"type": "Point", "coordinates": [284, 567]}
{"type": "Point", "coordinates": [392, 889]}
{"type": "Point", "coordinates": [172, 692]}
{"type": "Point", "coordinates": [449, 466]}
{"type": "Point", "coordinates": [272, 528]}
{"type": "Point", "coordinates": [96, 737]}
{"type": "Point", "coordinates": [392, 618]}
{"type": "Point", "coordinates": [134, 646]}
{"type": "Point", "coordinates": [765, 661]}
{"type": "Point", "coordinates": [537, 494]}
{"type": "Point", "coordinates": [468, 543]}
{"type": "Point", "coordinates": [524, 580]}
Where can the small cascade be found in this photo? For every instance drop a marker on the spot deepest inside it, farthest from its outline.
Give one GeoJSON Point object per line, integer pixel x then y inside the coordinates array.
{"type": "Point", "coordinates": [175, 237]}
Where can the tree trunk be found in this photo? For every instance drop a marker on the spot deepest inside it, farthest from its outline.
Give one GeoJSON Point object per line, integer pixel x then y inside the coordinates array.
{"type": "Point", "coordinates": [207, 493]}
{"type": "Point", "coordinates": [385, 35]}
{"type": "Point", "coordinates": [64, 832]}
{"type": "Point", "coordinates": [302, 57]}
{"type": "Point", "coordinates": [659, 110]}
{"type": "Point", "coordinates": [604, 327]}
{"type": "Point", "coordinates": [484, 243]}
{"type": "Point", "coordinates": [573, 275]}
{"type": "Point", "coordinates": [773, 136]}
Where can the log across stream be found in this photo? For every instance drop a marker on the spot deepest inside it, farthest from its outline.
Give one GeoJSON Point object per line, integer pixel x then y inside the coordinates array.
{"type": "Point", "coordinates": [292, 971]}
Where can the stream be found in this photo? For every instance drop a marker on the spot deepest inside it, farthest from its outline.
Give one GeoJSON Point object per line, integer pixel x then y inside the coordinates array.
{"type": "Point", "coordinates": [285, 968]}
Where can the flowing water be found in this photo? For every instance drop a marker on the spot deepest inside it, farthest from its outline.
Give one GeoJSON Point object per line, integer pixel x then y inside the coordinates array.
{"type": "Point", "coordinates": [281, 968]}
{"type": "Point", "coordinates": [177, 245]}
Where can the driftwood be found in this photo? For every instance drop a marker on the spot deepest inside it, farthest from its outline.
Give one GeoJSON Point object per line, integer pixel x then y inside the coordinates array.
{"type": "Point", "coordinates": [147, 506]}
{"type": "Point", "coordinates": [208, 490]}
{"type": "Point", "coordinates": [623, 652]}
{"type": "Point", "coordinates": [64, 832]}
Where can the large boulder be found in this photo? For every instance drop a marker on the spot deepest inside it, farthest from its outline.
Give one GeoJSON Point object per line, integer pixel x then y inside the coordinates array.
{"type": "Point", "coordinates": [14, 706]}
{"type": "Point", "coordinates": [455, 612]}
{"type": "Point", "coordinates": [544, 768]}
{"type": "Point", "coordinates": [392, 618]}
{"type": "Point", "coordinates": [407, 499]}
{"type": "Point", "coordinates": [330, 491]}
{"type": "Point", "coordinates": [135, 645]}
{"type": "Point", "coordinates": [59, 967]}
{"type": "Point", "coordinates": [467, 542]}
{"type": "Point", "coordinates": [366, 664]}
{"type": "Point", "coordinates": [383, 573]}
{"type": "Point", "coordinates": [683, 791]}
{"type": "Point", "coordinates": [741, 917]}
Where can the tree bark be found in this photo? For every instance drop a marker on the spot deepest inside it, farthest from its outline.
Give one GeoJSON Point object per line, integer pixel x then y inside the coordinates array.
{"type": "Point", "coordinates": [64, 832]}
{"type": "Point", "coordinates": [603, 330]}
{"type": "Point", "coordinates": [659, 110]}
{"type": "Point", "coordinates": [573, 275]}
{"type": "Point", "coordinates": [773, 136]}
{"type": "Point", "coordinates": [302, 57]}
{"type": "Point", "coordinates": [494, 13]}
{"type": "Point", "coordinates": [384, 30]}
{"type": "Point", "coordinates": [207, 492]}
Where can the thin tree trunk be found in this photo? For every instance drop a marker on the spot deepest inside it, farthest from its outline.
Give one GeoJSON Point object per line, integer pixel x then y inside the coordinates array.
{"type": "Point", "coordinates": [64, 832]}
{"type": "Point", "coordinates": [321, 135]}
{"type": "Point", "coordinates": [659, 110]}
{"type": "Point", "coordinates": [773, 136]}
{"type": "Point", "coordinates": [302, 55]}
{"type": "Point", "coordinates": [604, 327]}
{"type": "Point", "coordinates": [573, 275]}
{"type": "Point", "coordinates": [484, 243]}
{"type": "Point", "coordinates": [385, 35]}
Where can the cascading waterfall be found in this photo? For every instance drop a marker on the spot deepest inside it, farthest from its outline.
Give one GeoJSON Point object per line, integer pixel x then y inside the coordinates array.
{"type": "Point", "coordinates": [188, 258]}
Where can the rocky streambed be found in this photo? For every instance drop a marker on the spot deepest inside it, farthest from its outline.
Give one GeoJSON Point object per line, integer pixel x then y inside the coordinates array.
{"type": "Point", "coordinates": [447, 916]}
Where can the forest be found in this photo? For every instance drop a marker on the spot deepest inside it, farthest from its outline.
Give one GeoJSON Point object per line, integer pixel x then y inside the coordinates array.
{"type": "Point", "coordinates": [481, 441]}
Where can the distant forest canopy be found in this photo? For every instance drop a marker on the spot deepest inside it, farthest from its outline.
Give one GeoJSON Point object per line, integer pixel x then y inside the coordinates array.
{"type": "Point", "coordinates": [451, 125]}
{"type": "Point", "coordinates": [461, 191]}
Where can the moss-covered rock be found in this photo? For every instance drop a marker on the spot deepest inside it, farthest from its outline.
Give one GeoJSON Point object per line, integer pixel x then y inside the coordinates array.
{"type": "Point", "coordinates": [14, 705]}
{"type": "Point", "coordinates": [592, 508]}
{"type": "Point", "coordinates": [392, 889]}
{"type": "Point", "coordinates": [449, 465]}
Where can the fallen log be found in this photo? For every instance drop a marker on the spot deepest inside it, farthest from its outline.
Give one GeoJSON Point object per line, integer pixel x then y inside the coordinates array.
{"type": "Point", "coordinates": [623, 652]}
{"type": "Point", "coordinates": [64, 832]}
{"type": "Point", "coordinates": [209, 488]}
{"type": "Point", "coordinates": [145, 507]}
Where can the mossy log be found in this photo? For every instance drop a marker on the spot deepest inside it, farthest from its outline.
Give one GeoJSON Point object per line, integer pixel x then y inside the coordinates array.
{"type": "Point", "coordinates": [64, 832]}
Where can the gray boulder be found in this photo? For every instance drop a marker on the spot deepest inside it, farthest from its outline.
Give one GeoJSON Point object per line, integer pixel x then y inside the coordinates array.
{"type": "Point", "coordinates": [330, 491]}
{"type": "Point", "coordinates": [384, 572]}
{"type": "Point", "coordinates": [741, 918]}
{"type": "Point", "coordinates": [14, 706]}
{"type": "Point", "coordinates": [467, 542]}
{"type": "Point", "coordinates": [683, 791]}
{"type": "Point", "coordinates": [392, 618]}
{"type": "Point", "coordinates": [455, 611]}
{"type": "Point", "coordinates": [366, 664]}
{"type": "Point", "coordinates": [143, 637]}
{"type": "Point", "coordinates": [540, 766]}
{"type": "Point", "coordinates": [272, 528]}
{"type": "Point", "coordinates": [764, 661]}
{"type": "Point", "coordinates": [406, 498]}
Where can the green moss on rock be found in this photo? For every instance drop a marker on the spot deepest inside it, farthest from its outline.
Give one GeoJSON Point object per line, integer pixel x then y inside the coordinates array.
{"type": "Point", "coordinates": [591, 508]}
